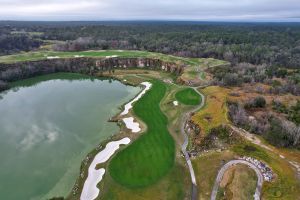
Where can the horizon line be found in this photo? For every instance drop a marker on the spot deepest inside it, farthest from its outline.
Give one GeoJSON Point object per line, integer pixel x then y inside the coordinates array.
{"type": "Point", "coordinates": [157, 20]}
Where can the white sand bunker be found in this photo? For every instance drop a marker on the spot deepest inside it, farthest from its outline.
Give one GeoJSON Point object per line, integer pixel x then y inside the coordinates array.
{"type": "Point", "coordinates": [128, 106]}
{"type": "Point", "coordinates": [90, 190]}
{"type": "Point", "coordinates": [52, 57]}
{"type": "Point", "coordinates": [175, 103]}
{"type": "Point", "coordinates": [78, 56]}
{"type": "Point", "coordinates": [113, 56]}
{"type": "Point", "coordinates": [130, 124]}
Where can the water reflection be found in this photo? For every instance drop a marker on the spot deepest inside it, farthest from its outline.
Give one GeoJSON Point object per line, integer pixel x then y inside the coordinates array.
{"type": "Point", "coordinates": [48, 124]}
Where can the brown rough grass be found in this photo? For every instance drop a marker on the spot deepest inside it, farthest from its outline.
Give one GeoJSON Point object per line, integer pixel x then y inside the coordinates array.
{"type": "Point", "coordinates": [239, 182]}
{"type": "Point", "coordinates": [250, 91]}
{"type": "Point", "coordinates": [214, 113]}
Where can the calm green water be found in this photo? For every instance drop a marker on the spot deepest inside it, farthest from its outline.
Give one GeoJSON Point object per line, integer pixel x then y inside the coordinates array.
{"type": "Point", "coordinates": [48, 125]}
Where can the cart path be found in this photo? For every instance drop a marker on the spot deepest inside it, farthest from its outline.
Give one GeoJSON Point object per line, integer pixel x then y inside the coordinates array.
{"type": "Point", "coordinates": [186, 141]}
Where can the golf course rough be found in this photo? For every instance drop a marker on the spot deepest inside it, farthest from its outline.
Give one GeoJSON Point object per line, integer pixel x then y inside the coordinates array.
{"type": "Point", "coordinates": [152, 155]}
{"type": "Point", "coordinates": [188, 96]}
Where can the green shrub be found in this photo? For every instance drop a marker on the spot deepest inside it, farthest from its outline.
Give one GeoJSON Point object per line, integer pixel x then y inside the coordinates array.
{"type": "Point", "coordinates": [259, 102]}
{"type": "Point", "coordinates": [277, 135]}
{"type": "Point", "coordinates": [294, 113]}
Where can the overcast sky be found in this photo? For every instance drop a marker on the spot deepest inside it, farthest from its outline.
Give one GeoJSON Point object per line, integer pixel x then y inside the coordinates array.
{"type": "Point", "coordinates": [204, 10]}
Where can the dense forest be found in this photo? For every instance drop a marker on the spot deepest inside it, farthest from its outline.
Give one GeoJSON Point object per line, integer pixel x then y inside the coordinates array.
{"type": "Point", "coordinates": [13, 41]}
{"type": "Point", "coordinates": [273, 44]}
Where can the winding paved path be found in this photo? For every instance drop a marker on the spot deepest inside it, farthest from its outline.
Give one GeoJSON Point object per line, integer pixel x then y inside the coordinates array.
{"type": "Point", "coordinates": [186, 141]}
{"type": "Point", "coordinates": [260, 178]}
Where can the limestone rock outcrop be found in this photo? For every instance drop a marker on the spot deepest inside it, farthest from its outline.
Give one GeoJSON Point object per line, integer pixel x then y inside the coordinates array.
{"type": "Point", "coordinates": [3, 85]}
{"type": "Point", "coordinates": [21, 70]}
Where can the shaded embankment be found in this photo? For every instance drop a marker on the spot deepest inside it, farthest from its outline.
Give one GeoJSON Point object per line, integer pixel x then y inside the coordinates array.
{"type": "Point", "coordinates": [152, 155]}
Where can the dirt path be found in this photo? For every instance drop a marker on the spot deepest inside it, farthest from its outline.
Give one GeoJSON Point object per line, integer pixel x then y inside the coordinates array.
{"type": "Point", "coordinates": [221, 172]}
{"type": "Point", "coordinates": [255, 140]}
{"type": "Point", "coordinates": [252, 138]}
{"type": "Point", "coordinates": [186, 141]}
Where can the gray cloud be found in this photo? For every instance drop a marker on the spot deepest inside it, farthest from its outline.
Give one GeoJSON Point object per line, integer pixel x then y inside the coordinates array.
{"type": "Point", "coordinates": [36, 135]}
{"type": "Point", "coordinates": [261, 10]}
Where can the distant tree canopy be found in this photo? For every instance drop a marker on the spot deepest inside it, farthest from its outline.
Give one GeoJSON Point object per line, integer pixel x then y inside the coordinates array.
{"type": "Point", "coordinates": [262, 43]}
{"type": "Point", "coordinates": [11, 43]}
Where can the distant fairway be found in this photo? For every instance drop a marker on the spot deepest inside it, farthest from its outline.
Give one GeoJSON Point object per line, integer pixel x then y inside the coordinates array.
{"type": "Point", "coordinates": [44, 55]}
{"type": "Point", "coordinates": [152, 155]}
{"type": "Point", "coordinates": [188, 96]}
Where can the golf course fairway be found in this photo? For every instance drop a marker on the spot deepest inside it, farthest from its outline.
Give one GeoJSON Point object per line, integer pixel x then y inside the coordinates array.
{"type": "Point", "coordinates": [152, 155]}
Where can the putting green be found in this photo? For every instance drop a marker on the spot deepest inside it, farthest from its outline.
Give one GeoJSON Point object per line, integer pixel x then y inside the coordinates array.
{"type": "Point", "coordinates": [188, 96]}
{"type": "Point", "coordinates": [152, 155]}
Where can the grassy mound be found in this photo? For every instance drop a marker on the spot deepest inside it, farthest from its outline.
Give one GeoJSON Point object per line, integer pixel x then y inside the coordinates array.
{"type": "Point", "coordinates": [188, 96]}
{"type": "Point", "coordinates": [152, 155]}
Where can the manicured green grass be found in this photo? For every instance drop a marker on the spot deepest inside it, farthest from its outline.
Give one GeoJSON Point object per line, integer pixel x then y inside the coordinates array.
{"type": "Point", "coordinates": [40, 55]}
{"type": "Point", "coordinates": [152, 155]}
{"type": "Point", "coordinates": [43, 54]}
{"type": "Point", "coordinates": [188, 96]}
{"type": "Point", "coordinates": [173, 186]}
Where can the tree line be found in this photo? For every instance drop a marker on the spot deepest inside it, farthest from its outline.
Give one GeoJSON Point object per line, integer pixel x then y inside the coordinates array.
{"type": "Point", "coordinates": [13, 42]}
{"type": "Point", "coordinates": [277, 130]}
{"type": "Point", "coordinates": [256, 43]}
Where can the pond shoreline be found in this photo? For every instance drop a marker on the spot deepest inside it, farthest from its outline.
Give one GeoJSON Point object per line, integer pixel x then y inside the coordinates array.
{"type": "Point", "coordinates": [126, 111]}
{"type": "Point", "coordinates": [122, 134]}
{"type": "Point", "coordinates": [108, 136]}
{"type": "Point", "coordinates": [90, 190]}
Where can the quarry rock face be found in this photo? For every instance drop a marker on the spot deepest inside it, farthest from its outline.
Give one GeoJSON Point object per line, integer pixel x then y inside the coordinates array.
{"type": "Point", "coordinates": [21, 70]}
{"type": "Point", "coordinates": [3, 85]}
{"type": "Point", "coordinates": [147, 63]}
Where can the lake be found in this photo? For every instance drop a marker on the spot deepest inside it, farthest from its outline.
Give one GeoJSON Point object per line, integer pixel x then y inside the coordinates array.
{"type": "Point", "coordinates": [48, 125]}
